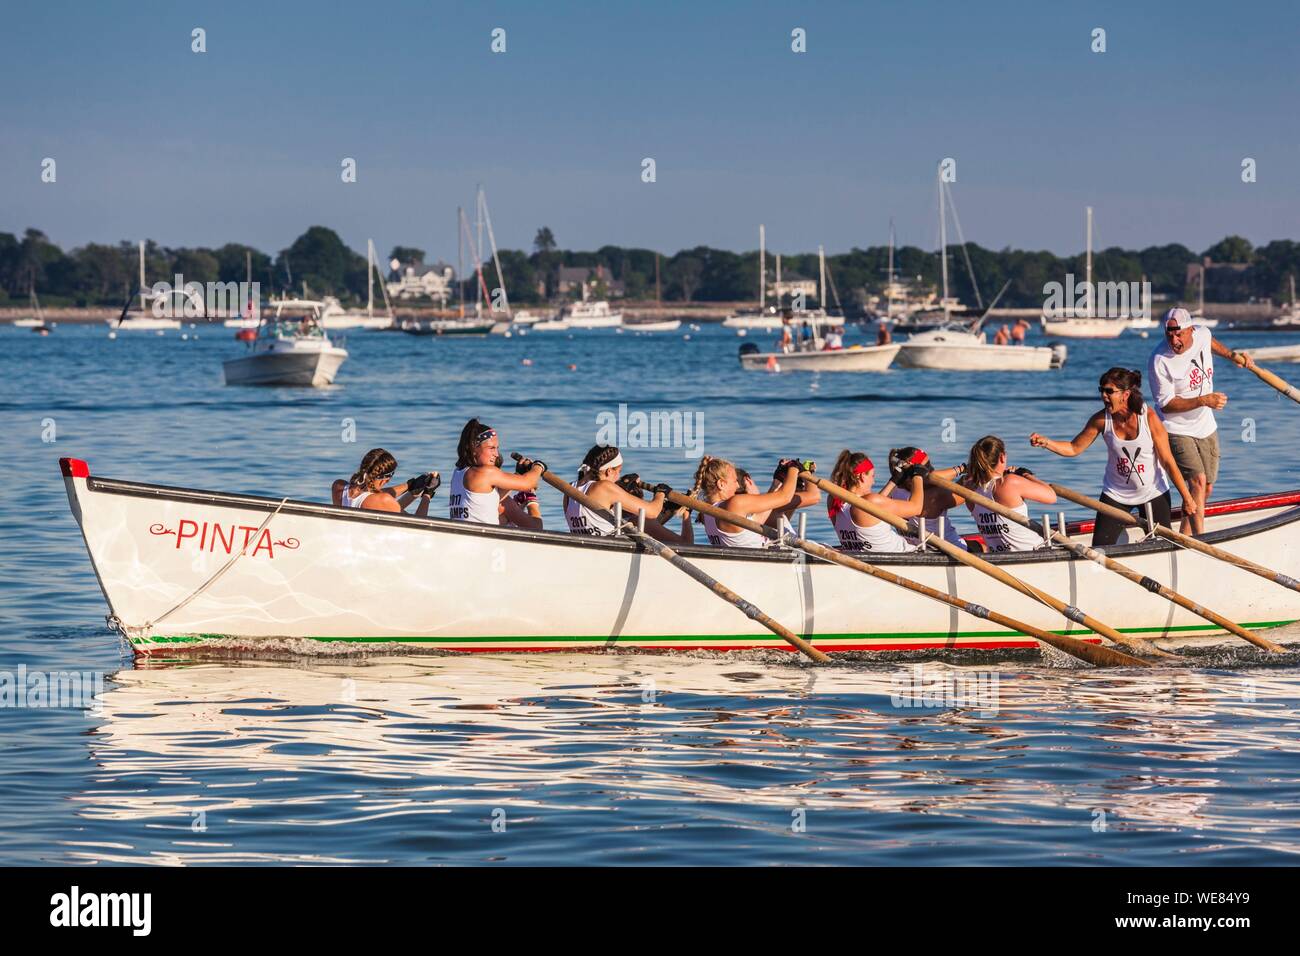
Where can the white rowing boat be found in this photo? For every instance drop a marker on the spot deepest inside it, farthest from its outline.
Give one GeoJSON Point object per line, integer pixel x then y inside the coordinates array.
{"type": "Point", "coordinates": [855, 358]}
{"type": "Point", "coordinates": [954, 350]}
{"type": "Point", "coordinates": [180, 567]}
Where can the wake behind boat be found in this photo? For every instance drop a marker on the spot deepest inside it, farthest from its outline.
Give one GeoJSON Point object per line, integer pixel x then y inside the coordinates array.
{"type": "Point", "coordinates": [185, 568]}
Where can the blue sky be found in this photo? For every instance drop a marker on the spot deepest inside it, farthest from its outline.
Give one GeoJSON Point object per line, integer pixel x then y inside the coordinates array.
{"type": "Point", "coordinates": [244, 142]}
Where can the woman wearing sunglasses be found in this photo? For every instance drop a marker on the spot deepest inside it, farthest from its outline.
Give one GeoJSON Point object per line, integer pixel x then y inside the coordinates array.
{"type": "Point", "coordinates": [365, 490]}
{"type": "Point", "coordinates": [1140, 466]}
{"type": "Point", "coordinates": [479, 486]}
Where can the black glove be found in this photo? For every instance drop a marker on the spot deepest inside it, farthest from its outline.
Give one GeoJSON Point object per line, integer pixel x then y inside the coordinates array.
{"type": "Point", "coordinates": [433, 483]}
{"type": "Point", "coordinates": [663, 489]}
{"type": "Point", "coordinates": [631, 484]}
{"type": "Point", "coordinates": [905, 463]}
{"type": "Point", "coordinates": [521, 468]}
{"type": "Point", "coordinates": [1022, 472]}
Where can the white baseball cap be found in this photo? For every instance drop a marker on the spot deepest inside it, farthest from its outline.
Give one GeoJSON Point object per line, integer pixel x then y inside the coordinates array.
{"type": "Point", "coordinates": [1180, 318]}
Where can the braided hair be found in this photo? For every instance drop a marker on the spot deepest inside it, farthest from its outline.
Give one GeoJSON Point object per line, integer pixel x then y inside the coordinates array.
{"type": "Point", "coordinates": [595, 461]}
{"type": "Point", "coordinates": [376, 464]}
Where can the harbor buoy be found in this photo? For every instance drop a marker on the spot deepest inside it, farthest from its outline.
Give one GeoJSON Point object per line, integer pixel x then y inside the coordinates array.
{"type": "Point", "coordinates": [528, 362]}
{"type": "Point", "coordinates": [112, 335]}
{"type": "Point", "coordinates": [573, 368]}
{"type": "Point", "coordinates": [246, 335]}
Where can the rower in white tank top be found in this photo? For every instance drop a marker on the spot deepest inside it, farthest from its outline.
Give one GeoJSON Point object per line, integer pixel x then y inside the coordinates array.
{"type": "Point", "coordinates": [1134, 475]}
{"type": "Point", "coordinates": [350, 502]}
{"type": "Point", "coordinates": [1002, 534]}
{"type": "Point", "coordinates": [744, 538]}
{"type": "Point", "coordinates": [913, 536]}
{"type": "Point", "coordinates": [465, 505]}
{"type": "Point", "coordinates": [879, 537]}
{"type": "Point", "coordinates": [581, 519]}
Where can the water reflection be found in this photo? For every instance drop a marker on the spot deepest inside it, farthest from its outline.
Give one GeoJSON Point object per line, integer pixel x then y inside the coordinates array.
{"type": "Point", "coordinates": [607, 757]}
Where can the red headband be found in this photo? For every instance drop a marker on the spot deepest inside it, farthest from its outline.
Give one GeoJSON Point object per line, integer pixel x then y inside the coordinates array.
{"type": "Point", "coordinates": [862, 467]}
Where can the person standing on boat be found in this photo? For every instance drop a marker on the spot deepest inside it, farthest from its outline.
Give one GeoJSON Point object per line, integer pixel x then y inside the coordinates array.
{"type": "Point", "coordinates": [717, 483]}
{"type": "Point", "coordinates": [479, 486]}
{"type": "Point", "coordinates": [598, 479]}
{"type": "Point", "coordinates": [1181, 377]}
{"type": "Point", "coordinates": [987, 473]}
{"type": "Point", "coordinates": [365, 490]}
{"type": "Point", "coordinates": [937, 501]}
{"type": "Point", "coordinates": [1140, 462]}
{"type": "Point", "coordinates": [860, 531]}
{"type": "Point", "coordinates": [883, 335]}
{"type": "Point", "coordinates": [834, 340]}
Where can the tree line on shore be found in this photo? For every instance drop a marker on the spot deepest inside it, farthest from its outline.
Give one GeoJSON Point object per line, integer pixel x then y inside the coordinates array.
{"type": "Point", "coordinates": [103, 274]}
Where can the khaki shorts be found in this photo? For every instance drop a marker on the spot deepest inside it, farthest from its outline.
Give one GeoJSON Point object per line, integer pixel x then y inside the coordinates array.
{"type": "Point", "coordinates": [1196, 456]}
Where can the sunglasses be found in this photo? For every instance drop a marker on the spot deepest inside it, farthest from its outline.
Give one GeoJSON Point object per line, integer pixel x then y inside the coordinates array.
{"type": "Point", "coordinates": [1107, 390]}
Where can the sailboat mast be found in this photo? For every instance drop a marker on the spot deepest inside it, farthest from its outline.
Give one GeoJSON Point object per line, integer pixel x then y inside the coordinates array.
{"type": "Point", "coordinates": [1200, 308]}
{"type": "Point", "coordinates": [496, 259]}
{"type": "Point", "coordinates": [778, 279]}
{"type": "Point", "coordinates": [1088, 267]}
{"type": "Point", "coordinates": [370, 278]}
{"type": "Point", "coordinates": [460, 257]}
{"type": "Point", "coordinates": [142, 305]}
{"type": "Point", "coordinates": [658, 299]}
{"type": "Point", "coordinates": [821, 277]}
{"type": "Point", "coordinates": [478, 251]}
{"type": "Point", "coordinates": [762, 268]}
{"type": "Point", "coordinates": [943, 246]}
{"type": "Point", "coordinates": [889, 295]}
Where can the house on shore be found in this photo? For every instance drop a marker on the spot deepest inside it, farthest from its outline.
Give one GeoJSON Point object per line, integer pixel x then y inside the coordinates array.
{"type": "Point", "coordinates": [415, 280]}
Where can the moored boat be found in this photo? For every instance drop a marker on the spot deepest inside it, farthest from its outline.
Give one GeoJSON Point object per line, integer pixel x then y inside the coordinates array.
{"type": "Point", "coordinates": [592, 315]}
{"type": "Point", "coordinates": [184, 568]}
{"type": "Point", "coordinates": [956, 350]}
{"type": "Point", "coordinates": [855, 358]}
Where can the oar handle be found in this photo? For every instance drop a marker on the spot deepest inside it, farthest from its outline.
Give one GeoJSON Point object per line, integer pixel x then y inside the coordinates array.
{"type": "Point", "coordinates": [1277, 381]}
{"type": "Point", "coordinates": [1119, 514]}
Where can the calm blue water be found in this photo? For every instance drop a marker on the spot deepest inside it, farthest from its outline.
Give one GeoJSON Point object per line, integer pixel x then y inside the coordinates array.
{"type": "Point", "coordinates": [611, 758]}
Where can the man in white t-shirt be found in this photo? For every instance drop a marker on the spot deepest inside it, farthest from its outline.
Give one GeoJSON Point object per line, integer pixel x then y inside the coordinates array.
{"type": "Point", "coordinates": [1181, 376]}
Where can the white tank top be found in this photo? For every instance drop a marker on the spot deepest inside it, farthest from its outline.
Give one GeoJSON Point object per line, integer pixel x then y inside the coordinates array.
{"type": "Point", "coordinates": [1003, 534]}
{"type": "Point", "coordinates": [1133, 473]}
{"type": "Point", "coordinates": [582, 520]}
{"type": "Point", "coordinates": [913, 535]}
{"type": "Point", "coordinates": [350, 502]}
{"type": "Point", "coordinates": [465, 505]}
{"type": "Point", "coordinates": [880, 537]}
{"type": "Point", "coordinates": [744, 538]}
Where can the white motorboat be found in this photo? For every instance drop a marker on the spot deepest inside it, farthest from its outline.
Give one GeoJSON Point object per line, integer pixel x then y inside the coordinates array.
{"type": "Point", "coordinates": [855, 358]}
{"type": "Point", "coordinates": [290, 349]}
{"type": "Point", "coordinates": [143, 323]}
{"type": "Point", "coordinates": [550, 325]}
{"type": "Point", "coordinates": [653, 325]}
{"type": "Point", "coordinates": [183, 568]}
{"type": "Point", "coordinates": [955, 350]}
{"type": "Point", "coordinates": [1275, 353]}
{"type": "Point", "coordinates": [592, 315]}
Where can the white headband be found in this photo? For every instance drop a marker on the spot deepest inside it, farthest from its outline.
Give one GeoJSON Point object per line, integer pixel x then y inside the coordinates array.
{"type": "Point", "coordinates": [617, 462]}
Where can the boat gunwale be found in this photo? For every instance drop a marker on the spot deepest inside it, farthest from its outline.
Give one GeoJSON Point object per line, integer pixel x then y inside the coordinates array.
{"type": "Point", "coordinates": [1290, 515]}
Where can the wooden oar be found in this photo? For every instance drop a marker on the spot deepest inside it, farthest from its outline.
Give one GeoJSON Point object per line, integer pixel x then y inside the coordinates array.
{"type": "Point", "coordinates": [1089, 653]}
{"type": "Point", "coordinates": [1277, 381]}
{"type": "Point", "coordinates": [1186, 540]}
{"type": "Point", "coordinates": [1068, 611]}
{"type": "Point", "coordinates": [677, 561]}
{"type": "Point", "coordinates": [1110, 564]}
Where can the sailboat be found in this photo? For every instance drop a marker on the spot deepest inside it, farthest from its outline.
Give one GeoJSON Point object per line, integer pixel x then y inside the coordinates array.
{"type": "Point", "coordinates": [960, 348]}
{"type": "Point", "coordinates": [1087, 326]}
{"type": "Point", "coordinates": [37, 321]}
{"type": "Point", "coordinates": [144, 320]}
{"type": "Point", "coordinates": [480, 324]}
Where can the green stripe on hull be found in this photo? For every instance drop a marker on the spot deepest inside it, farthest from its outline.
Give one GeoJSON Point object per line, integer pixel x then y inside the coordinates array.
{"type": "Point", "coordinates": [701, 638]}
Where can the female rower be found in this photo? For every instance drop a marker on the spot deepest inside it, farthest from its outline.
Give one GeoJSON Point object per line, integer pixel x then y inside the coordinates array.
{"type": "Point", "coordinates": [859, 530]}
{"type": "Point", "coordinates": [717, 483]}
{"type": "Point", "coordinates": [479, 486]}
{"type": "Point", "coordinates": [937, 501]}
{"type": "Point", "coordinates": [598, 479]}
{"type": "Point", "coordinates": [1140, 464]}
{"type": "Point", "coordinates": [987, 473]}
{"type": "Point", "coordinates": [365, 490]}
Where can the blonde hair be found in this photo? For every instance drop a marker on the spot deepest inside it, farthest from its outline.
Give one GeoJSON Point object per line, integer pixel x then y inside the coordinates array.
{"type": "Point", "coordinates": [708, 476]}
{"type": "Point", "coordinates": [984, 455]}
